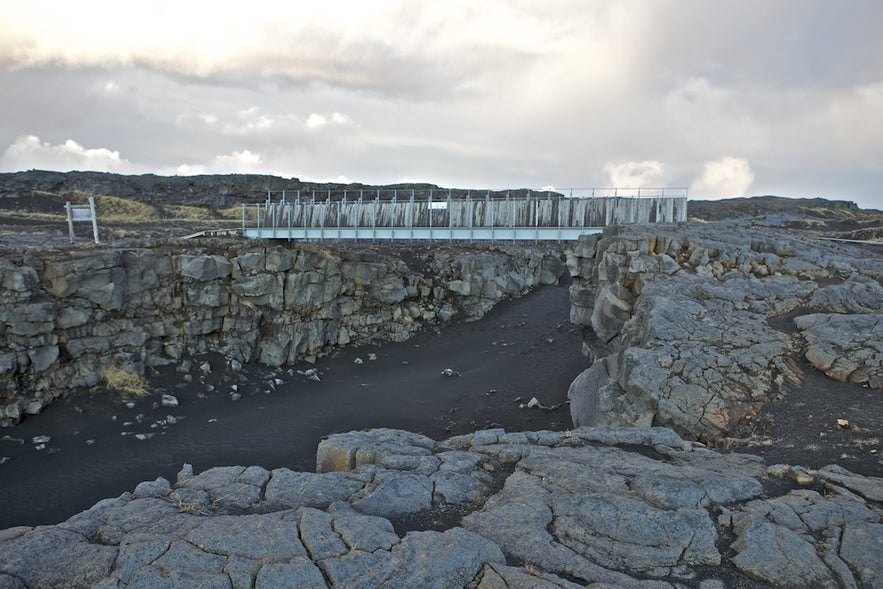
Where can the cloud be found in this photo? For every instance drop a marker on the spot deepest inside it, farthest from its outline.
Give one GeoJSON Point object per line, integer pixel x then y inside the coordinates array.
{"type": "Point", "coordinates": [316, 120]}
{"type": "Point", "coordinates": [646, 174]}
{"type": "Point", "coordinates": [393, 47]}
{"type": "Point", "coordinates": [29, 152]}
{"type": "Point", "coordinates": [722, 178]}
{"type": "Point", "coordinates": [238, 162]}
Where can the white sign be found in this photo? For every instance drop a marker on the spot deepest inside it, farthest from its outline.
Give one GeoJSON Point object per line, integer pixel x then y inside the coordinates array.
{"type": "Point", "coordinates": [81, 213]}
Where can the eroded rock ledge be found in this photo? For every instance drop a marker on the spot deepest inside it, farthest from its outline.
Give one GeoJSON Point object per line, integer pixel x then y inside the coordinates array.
{"type": "Point", "coordinates": [387, 508]}
{"type": "Point", "coordinates": [696, 327]}
{"type": "Point", "coordinates": [67, 315]}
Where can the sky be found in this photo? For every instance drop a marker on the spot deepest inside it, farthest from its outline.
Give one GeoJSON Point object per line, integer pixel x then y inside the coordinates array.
{"type": "Point", "coordinates": [723, 97]}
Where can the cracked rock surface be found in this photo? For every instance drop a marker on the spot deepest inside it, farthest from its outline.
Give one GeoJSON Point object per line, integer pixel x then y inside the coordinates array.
{"type": "Point", "coordinates": [597, 507]}
{"type": "Point", "coordinates": [683, 322]}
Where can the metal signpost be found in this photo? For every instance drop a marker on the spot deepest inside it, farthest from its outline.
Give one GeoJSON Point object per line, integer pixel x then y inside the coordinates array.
{"type": "Point", "coordinates": [82, 213]}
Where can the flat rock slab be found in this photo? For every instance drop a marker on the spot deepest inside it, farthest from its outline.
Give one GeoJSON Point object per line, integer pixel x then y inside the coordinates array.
{"type": "Point", "coordinates": [597, 507]}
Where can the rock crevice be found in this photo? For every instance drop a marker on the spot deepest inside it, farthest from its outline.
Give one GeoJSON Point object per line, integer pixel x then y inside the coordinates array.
{"type": "Point", "coordinates": [67, 316]}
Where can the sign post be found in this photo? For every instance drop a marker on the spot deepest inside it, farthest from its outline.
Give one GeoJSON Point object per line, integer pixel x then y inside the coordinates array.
{"type": "Point", "coordinates": [82, 213]}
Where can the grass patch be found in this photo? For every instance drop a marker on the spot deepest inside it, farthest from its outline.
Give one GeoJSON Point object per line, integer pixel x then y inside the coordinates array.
{"type": "Point", "coordinates": [116, 209]}
{"type": "Point", "coordinates": [188, 213]}
{"type": "Point", "coordinates": [232, 213]}
{"type": "Point", "coordinates": [130, 384]}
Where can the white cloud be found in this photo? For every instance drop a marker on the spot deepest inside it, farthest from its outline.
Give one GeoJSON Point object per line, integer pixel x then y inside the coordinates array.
{"type": "Point", "coordinates": [238, 162]}
{"type": "Point", "coordinates": [646, 174]}
{"type": "Point", "coordinates": [29, 152]}
{"type": "Point", "coordinates": [317, 120]}
{"type": "Point", "coordinates": [722, 178]}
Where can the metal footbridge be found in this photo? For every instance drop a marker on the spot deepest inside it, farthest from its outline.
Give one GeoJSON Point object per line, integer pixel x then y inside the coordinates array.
{"type": "Point", "coordinates": [444, 215]}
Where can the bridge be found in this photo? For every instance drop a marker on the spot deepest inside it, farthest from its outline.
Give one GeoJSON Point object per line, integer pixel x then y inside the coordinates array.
{"type": "Point", "coordinates": [444, 215]}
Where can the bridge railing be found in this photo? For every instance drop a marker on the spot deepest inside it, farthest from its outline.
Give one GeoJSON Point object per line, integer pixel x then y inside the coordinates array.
{"type": "Point", "coordinates": [448, 215]}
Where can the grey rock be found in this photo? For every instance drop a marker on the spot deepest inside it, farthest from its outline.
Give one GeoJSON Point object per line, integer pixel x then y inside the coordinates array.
{"type": "Point", "coordinates": [861, 548]}
{"type": "Point", "coordinates": [868, 487]}
{"type": "Point", "coordinates": [230, 487]}
{"type": "Point", "coordinates": [359, 569]}
{"type": "Point", "coordinates": [262, 537]}
{"type": "Point", "coordinates": [393, 493]}
{"type": "Point", "coordinates": [778, 556]}
{"type": "Point", "coordinates": [857, 294]}
{"type": "Point", "coordinates": [692, 348]}
{"type": "Point", "coordinates": [302, 574]}
{"type": "Point", "coordinates": [601, 507]}
{"type": "Point", "coordinates": [319, 536]}
{"type": "Point", "coordinates": [458, 556]}
{"type": "Point", "coordinates": [52, 557]}
{"type": "Point", "coordinates": [157, 488]}
{"type": "Point", "coordinates": [366, 533]}
{"type": "Point", "coordinates": [845, 347]}
{"type": "Point", "coordinates": [343, 452]}
{"type": "Point", "coordinates": [291, 489]}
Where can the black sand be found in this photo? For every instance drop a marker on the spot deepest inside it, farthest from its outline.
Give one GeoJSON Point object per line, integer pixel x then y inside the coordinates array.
{"type": "Point", "coordinates": [524, 348]}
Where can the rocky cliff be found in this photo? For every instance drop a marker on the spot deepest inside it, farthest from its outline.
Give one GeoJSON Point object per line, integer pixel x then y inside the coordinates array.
{"type": "Point", "coordinates": [68, 315]}
{"type": "Point", "coordinates": [696, 327]}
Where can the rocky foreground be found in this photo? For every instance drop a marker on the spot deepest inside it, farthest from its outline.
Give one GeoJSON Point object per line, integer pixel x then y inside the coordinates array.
{"type": "Point", "coordinates": [387, 508]}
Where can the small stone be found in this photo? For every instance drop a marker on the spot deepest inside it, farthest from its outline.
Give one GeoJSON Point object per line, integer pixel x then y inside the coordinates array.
{"type": "Point", "coordinates": [169, 401]}
{"type": "Point", "coordinates": [534, 402]}
{"type": "Point", "coordinates": [235, 365]}
{"type": "Point", "coordinates": [90, 441]}
{"type": "Point", "coordinates": [143, 437]}
{"type": "Point", "coordinates": [278, 382]}
{"type": "Point", "coordinates": [130, 405]}
{"type": "Point", "coordinates": [449, 372]}
{"type": "Point", "coordinates": [843, 423]}
{"type": "Point", "coordinates": [5, 459]}
{"type": "Point", "coordinates": [358, 361]}
{"type": "Point", "coordinates": [311, 374]}
{"type": "Point", "coordinates": [372, 356]}
{"type": "Point", "coordinates": [235, 396]}
{"type": "Point", "coordinates": [205, 367]}
{"type": "Point", "coordinates": [234, 387]}
{"type": "Point", "coordinates": [41, 439]}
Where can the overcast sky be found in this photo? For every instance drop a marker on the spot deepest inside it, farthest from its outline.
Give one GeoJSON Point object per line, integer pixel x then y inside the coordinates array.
{"type": "Point", "coordinates": [728, 98]}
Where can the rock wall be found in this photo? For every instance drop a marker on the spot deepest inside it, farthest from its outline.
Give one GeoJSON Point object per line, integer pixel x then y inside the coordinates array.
{"type": "Point", "coordinates": [695, 327]}
{"type": "Point", "coordinates": [66, 315]}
